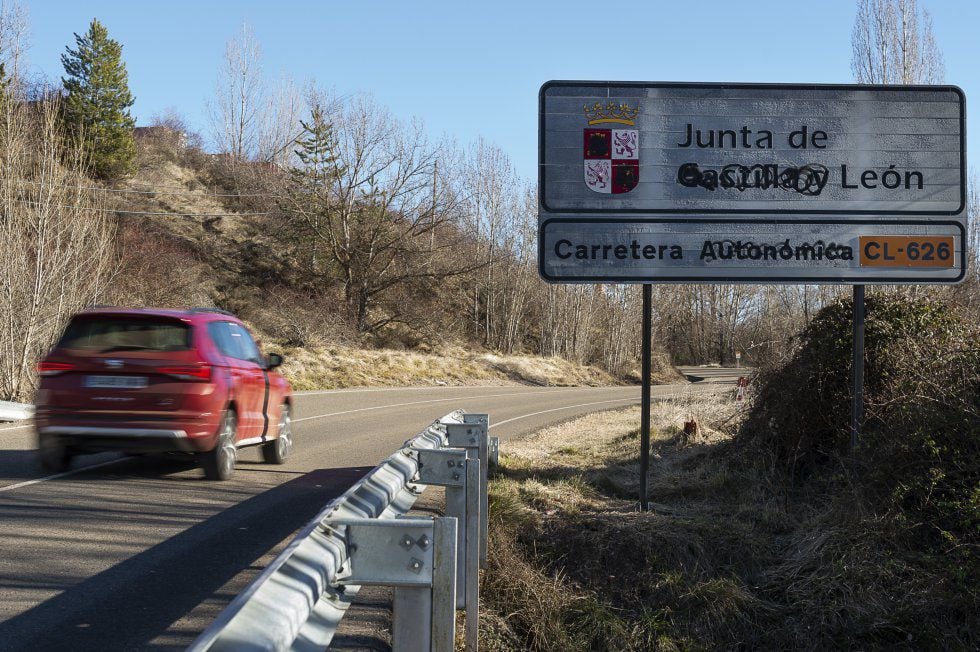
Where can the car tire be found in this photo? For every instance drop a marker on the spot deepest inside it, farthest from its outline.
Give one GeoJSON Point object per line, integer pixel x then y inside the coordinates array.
{"type": "Point", "coordinates": [53, 455]}
{"type": "Point", "coordinates": [276, 451]}
{"type": "Point", "coordinates": [219, 463]}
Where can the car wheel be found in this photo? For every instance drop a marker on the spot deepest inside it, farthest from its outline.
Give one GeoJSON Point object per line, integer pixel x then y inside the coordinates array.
{"type": "Point", "coordinates": [53, 455]}
{"type": "Point", "coordinates": [219, 463]}
{"type": "Point", "coordinates": [276, 452]}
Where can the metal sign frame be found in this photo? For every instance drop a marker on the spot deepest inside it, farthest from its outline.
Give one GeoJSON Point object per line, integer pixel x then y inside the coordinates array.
{"type": "Point", "coordinates": [721, 275]}
{"type": "Point", "coordinates": [580, 208]}
{"type": "Point", "coordinates": [542, 162]}
{"type": "Point", "coordinates": [631, 165]}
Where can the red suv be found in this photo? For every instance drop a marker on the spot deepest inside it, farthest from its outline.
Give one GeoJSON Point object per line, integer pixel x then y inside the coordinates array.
{"type": "Point", "coordinates": [146, 380]}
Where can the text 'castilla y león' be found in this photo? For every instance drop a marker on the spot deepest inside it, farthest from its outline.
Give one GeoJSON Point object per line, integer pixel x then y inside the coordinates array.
{"type": "Point", "coordinates": [808, 179]}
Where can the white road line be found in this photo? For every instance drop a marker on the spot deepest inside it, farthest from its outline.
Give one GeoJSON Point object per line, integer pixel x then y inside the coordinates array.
{"type": "Point", "coordinates": [567, 407]}
{"type": "Point", "coordinates": [359, 390]}
{"type": "Point", "coordinates": [653, 397]}
{"type": "Point", "coordinates": [317, 392]}
{"type": "Point", "coordinates": [393, 405]}
{"type": "Point", "coordinates": [318, 416]}
{"type": "Point", "coordinates": [16, 427]}
{"type": "Point", "coordinates": [11, 487]}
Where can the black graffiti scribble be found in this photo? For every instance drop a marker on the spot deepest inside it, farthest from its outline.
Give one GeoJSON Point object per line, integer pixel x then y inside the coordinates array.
{"type": "Point", "coordinates": [805, 180]}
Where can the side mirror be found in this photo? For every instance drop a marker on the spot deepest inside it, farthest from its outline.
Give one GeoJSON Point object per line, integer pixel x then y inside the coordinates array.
{"type": "Point", "coordinates": [273, 360]}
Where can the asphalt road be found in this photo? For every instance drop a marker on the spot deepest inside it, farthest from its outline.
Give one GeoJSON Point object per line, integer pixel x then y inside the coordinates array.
{"type": "Point", "coordinates": [130, 553]}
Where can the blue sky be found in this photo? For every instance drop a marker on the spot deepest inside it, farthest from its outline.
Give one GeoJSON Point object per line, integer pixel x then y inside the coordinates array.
{"type": "Point", "coordinates": [471, 69]}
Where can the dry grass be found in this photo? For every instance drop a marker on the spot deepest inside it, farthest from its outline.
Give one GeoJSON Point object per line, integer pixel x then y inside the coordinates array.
{"type": "Point", "coordinates": [320, 352]}
{"type": "Point", "coordinates": [335, 366]}
{"type": "Point", "coordinates": [575, 565]}
{"type": "Point", "coordinates": [548, 372]}
{"type": "Point", "coordinates": [724, 559]}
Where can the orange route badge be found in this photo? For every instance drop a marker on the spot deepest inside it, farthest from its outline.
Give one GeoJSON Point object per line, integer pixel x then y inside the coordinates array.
{"type": "Point", "coordinates": [907, 251]}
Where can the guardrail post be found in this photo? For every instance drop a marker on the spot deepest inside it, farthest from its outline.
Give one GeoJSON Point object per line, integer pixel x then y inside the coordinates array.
{"type": "Point", "coordinates": [460, 475]}
{"type": "Point", "coordinates": [444, 561]}
{"type": "Point", "coordinates": [418, 558]}
{"type": "Point", "coordinates": [446, 467]}
{"type": "Point", "coordinates": [472, 435]}
{"type": "Point", "coordinates": [474, 516]}
{"type": "Point", "coordinates": [411, 627]}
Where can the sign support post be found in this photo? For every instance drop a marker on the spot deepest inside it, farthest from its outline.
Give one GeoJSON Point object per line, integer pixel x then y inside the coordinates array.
{"type": "Point", "coordinates": [677, 182]}
{"type": "Point", "coordinates": [857, 367]}
{"type": "Point", "coordinates": [645, 395]}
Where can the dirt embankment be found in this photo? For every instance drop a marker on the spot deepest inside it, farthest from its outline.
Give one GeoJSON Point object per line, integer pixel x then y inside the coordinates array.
{"type": "Point", "coordinates": [330, 367]}
{"type": "Point", "coordinates": [727, 557]}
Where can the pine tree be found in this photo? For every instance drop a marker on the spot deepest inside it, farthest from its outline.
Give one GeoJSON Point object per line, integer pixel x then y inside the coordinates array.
{"type": "Point", "coordinates": [313, 179]}
{"type": "Point", "coordinates": [98, 101]}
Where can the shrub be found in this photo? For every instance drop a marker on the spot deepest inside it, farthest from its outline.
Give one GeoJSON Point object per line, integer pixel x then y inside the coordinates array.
{"type": "Point", "coordinates": [916, 470]}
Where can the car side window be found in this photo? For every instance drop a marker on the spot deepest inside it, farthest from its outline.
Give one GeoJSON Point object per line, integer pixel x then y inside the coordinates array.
{"type": "Point", "coordinates": [243, 340]}
{"type": "Point", "coordinates": [234, 341]}
{"type": "Point", "coordinates": [218, 330]}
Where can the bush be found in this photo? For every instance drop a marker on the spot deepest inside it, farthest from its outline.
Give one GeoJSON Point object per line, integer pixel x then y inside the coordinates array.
{"type": "Point", "coordinates": [921, 376]}
{"type": "Point", "coordinates": [909, 513]}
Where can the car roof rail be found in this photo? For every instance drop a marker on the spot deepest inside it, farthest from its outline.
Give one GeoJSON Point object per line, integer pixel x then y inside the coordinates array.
{"type": "Point", "coordinates": [211, 309]}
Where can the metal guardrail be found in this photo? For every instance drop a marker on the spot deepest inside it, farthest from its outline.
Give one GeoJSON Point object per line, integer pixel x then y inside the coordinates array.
{"type": "Point", "coordinates": [362, 538]}
{"type": "Point", "coordinates": [15, 411]}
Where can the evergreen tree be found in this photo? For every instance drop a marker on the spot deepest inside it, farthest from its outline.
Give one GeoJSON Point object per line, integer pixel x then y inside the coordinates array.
{"type": "Point", "coordinates": [313, 180]}
{"type": "Point", "coordinates": [316, 152]}
{"type": "Point", "coordinates": [98, 101]}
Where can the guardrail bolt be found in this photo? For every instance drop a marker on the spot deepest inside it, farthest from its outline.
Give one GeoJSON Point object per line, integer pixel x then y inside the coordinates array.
{"type": "Point", "coordinates": [455, 476]}
{"type": "Point", "coordinates": [407, 542]}
{"type": "Point", "coordinates": [415, 565]}
{"type": "Point", "coordinates": [451, 463]}
{"type": "Point", "coordinates": [424, 541]}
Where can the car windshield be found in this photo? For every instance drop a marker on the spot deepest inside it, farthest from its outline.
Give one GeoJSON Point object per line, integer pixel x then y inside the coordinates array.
{"type": "Point", "coordinates": [107, 334]}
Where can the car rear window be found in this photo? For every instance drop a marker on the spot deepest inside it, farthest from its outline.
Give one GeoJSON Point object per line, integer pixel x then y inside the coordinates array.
{"type": "Point", "coordinates": [109, 334]}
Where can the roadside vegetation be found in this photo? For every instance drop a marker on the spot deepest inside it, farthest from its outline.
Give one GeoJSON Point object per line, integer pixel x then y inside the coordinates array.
{"type": "Point", "coordinates": [764, 531]}
{"type": "Point", "coordinates": [337, 366]}
{"type": "Point", "coordinates": [329, 224]}
{"type": "Point", "coordinates": [323, 221]}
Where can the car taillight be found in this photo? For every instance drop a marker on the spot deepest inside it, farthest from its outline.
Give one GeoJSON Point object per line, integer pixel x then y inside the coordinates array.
{"type": "Point", "coordinates": [46, 368]}
{"type": "Point", "coordinates": [201, 373]}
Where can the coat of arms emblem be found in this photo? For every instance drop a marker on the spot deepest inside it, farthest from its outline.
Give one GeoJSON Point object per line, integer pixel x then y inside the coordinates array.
{"type": "Point", "coordinates": [612, 155]}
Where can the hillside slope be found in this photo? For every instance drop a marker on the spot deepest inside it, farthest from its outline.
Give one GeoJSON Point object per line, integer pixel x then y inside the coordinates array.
{"type": "Point", "coordinates": [185, 239]}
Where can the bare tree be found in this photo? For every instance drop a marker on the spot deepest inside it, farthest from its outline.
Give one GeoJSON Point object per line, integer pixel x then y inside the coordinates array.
{"type": "Point", "coordinates": [892, 43]}
{"type": "Point", "coordinates": [253, 119]}
{"type": "Point", "coordinates": [375, 206]}
{"type": "Point", "coordinates": [517, 275]}
{"type": "Point", "coordinates": [57, 235]}
{"type": "Point", "coordinates": [13, 39]}
{"type": "Point", "coordinates": [279, 123]}
{"type": "Point", "coordinates": [493, 196]}
{"type": "Point", "coordinates": [235, 112]}
{"type": "Point", "coordinates": [973, 237]}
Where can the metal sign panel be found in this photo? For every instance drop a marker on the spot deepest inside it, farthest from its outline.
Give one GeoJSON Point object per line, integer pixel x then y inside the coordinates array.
{"type": "Point", "coordinates": [756, 250]}
{"type": "Point", "coordinates": [751, 161]}
{"type": "Point", "coordinates": [752, 149]}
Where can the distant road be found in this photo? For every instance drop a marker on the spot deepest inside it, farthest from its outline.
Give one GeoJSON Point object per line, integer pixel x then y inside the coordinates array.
{"type": "Point", "coordinates": [141, 553]}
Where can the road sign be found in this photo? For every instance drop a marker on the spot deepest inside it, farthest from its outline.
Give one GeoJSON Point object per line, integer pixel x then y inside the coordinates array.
{"type": "Point", "coordinates": [676, 182]}
{"type": "Point", "coordinates": [681, 249]}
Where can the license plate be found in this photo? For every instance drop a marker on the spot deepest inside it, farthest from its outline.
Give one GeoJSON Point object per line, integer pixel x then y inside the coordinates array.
{"type": "Point", "coordinates": [116, 382]}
